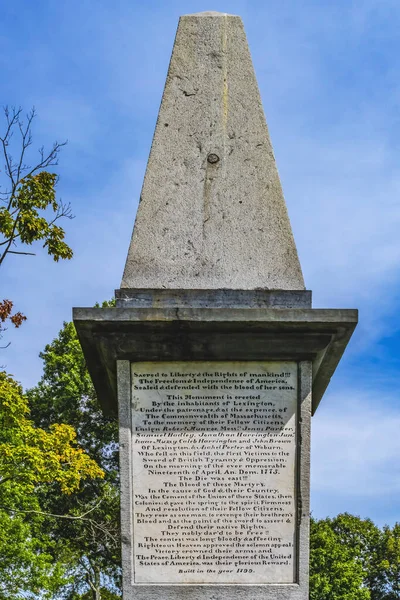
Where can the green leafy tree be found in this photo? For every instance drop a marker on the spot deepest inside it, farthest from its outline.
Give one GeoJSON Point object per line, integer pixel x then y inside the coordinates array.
{"type": "Point", "coordinates": [363, 539]}
{"type": "Point", "coordinates": [33, 460]}
{"type": "Point", "coordinates": [66, 392]}
{"type": "Point", "coordinates": [30, 210]}
{"type": "Point", "coordinates": [335, 571]}
{"type": "Point", "coordinates": [390, 564]}
{"type": "Point", "coordinates": [352, 558]}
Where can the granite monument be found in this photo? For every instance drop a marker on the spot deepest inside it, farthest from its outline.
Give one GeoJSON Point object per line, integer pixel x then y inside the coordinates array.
{"type": "Point", "coordinates": [213, 358]}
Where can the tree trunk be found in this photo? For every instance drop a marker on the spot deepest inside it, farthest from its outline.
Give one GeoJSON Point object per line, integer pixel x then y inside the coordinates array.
{"type": "Point", "coordinates": [96, 586]}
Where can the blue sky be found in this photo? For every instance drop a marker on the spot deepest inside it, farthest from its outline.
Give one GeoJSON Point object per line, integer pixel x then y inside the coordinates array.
{"type": "Point", "coordinates": [329, 79]}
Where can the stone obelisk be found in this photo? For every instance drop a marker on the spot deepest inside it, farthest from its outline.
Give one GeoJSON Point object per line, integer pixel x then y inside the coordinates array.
{"type": "Point", "coordinates": [212, 213]}
{"type": "Point", "coordinates": [213, 358]}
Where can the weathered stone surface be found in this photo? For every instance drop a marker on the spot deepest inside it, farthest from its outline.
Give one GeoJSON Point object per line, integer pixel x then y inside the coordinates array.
{"type": "Point", "coordinates": [213, 290]}
{"type": "Point", "coordinates": [133, 494]}
{"type": "Point", "coordinates": [193, 333]}
{"type": "Point", "coordinates": [223, 298]}
{"type": "Point", "coordinates": [212, 213]}
{"type": "Point", "coordinates": [214, 456]}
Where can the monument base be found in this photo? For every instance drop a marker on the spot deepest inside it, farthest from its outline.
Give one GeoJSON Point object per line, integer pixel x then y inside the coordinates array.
{"type": "Point", "coordinates": [151, 325]}
{"type": "Point", "coordinates": [215, 391]}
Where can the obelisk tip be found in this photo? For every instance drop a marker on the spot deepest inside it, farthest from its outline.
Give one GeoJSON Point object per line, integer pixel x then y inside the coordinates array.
{"type": "Point", "coordinates": [209, 13]}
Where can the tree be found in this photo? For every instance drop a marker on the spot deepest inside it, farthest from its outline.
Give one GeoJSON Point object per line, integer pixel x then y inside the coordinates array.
{"type": "Point", "coordinates": [352, 558]}
{"type": "Point", "coordinates": [29, 192]}
{"type": "Point", "coordinates": [64, 533]}
{"type": "Point", "coordinates": [335, 571]}
{"type": "Point", "coordinates": [29, 209]}
{"type": "Point", "coordinates": [363, 539]}
{"type": "Point", "coordinates": [67, 393]}
{"type": "Point", "coordinates": [33, 461]}
{"type": "Point", "coordinates": [390, 564]}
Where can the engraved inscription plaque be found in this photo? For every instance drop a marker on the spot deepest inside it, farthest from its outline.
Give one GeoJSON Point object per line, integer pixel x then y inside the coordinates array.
{"type": "Point", "coordinates": [214, 472]}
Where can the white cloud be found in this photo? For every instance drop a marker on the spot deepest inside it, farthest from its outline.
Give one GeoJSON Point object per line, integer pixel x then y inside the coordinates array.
{"type": "Point", "coordinates": [356, 448]}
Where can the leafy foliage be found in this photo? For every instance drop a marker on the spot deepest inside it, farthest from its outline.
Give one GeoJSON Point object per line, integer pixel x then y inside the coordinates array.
{"type": "Point", "coordinates": [28, 568]}
{"type": "Point", "coordinates": [6, 307]}
{"type": "Point", "coordinates": [389, 567]}
{"type": "Point", "coordinates": [66, 392]}
{"type": "Point", "coordinates": [33, 460]}
{"type": "Point", "coordinates": [6, 314]}
{"type": "Point", "coordinates": [352, 559]}
{"type": "Point", "coordinates": [30, 456]}
{"type": "Point", "coordinates": [335, 572]}
{"type": "Point", "coordinates": [30, 208]}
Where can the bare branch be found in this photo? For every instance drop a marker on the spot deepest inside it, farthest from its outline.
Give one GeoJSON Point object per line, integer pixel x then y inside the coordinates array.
{"type": "Point", "coordinates": [5, 140]}
{"type": "Point", "coordinates": [38, 512]}
{"type": "Point", "coordinates": [83, 518]}
{"type": "Point", "coordinates": [26, 253]}
{"type": "Point", "coordinates": [8, 240]}
{"type": "Point", "coordinates": [49, 160]}
{"type": "Point", "coordinates": [64, 210]}
{"type": "Point", "coordinates": [26, 135]}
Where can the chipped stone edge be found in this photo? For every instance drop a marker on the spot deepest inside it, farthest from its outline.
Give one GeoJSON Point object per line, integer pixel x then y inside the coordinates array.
{"type": "Point", "coordinates": [125, 456]}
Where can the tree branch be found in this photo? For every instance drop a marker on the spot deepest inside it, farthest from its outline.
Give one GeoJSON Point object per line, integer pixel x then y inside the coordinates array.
{"type": "Point", "coordinates": [26, 135]}
{"type": "Point", "coordinates": [26, 253]}
{"type": "Point", "coordinates": [50, 159]}
{"type": "Point", "coordinates": [6, 140]}
{"type": "Point", "coordinates": [82, 517]}
{"type": "Point", "coordinates": [18, 175]}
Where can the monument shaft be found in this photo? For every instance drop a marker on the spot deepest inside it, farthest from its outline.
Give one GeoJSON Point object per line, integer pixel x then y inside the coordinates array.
{"type": "Point", "coordinates": [212, 163]}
